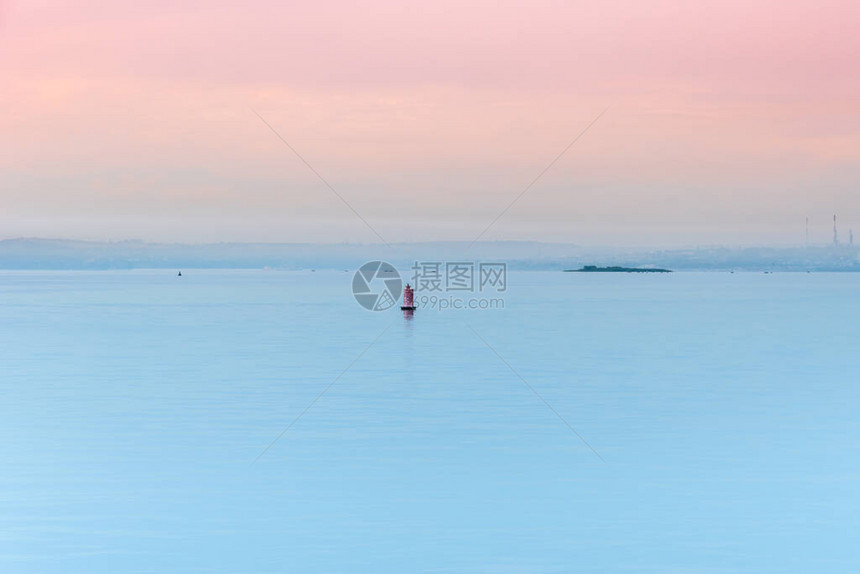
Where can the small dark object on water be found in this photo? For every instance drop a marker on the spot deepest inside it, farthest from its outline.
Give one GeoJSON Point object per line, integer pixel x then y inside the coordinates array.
{"type": "Point", "coordinates": [596, 269]}
{"type": "Point", "coordinates": [180, 274]}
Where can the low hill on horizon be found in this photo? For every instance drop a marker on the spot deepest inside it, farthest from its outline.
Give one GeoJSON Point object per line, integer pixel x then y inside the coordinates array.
{"type": "Point", "coordinates": [59, 254]}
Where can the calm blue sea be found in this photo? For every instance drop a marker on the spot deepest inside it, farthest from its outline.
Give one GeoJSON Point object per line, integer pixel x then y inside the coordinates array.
{"type": "Point", "coordinates": [134, 404]}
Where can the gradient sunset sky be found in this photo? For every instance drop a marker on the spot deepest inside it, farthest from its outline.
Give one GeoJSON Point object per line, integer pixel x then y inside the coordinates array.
{"type": "Point", "coordinates": [727, 122]}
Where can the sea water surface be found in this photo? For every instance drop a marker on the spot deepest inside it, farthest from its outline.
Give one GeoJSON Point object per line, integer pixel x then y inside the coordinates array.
{"type": "Point", "coordinates": [723, 409]}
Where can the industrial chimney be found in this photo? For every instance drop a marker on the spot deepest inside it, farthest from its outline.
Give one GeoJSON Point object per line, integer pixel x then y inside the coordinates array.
{"type": "Point", "coordinates": [835, 233]}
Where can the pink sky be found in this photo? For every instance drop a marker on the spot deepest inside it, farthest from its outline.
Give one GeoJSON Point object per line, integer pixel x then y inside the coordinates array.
{"type": "Point", "coordinates": [728, 121]}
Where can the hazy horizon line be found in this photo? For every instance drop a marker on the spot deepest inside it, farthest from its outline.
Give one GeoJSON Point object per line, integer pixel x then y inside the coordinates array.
{"type": "Point", "coordinates": [436, 242]}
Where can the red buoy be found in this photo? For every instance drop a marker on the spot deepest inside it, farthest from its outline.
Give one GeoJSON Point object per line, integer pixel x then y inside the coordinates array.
{"type": "Point", "coordinates": [408, 299]}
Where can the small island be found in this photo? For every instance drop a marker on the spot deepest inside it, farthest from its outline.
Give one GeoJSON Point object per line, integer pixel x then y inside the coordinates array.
{"type": "Point", "coordinates": [596, 269]}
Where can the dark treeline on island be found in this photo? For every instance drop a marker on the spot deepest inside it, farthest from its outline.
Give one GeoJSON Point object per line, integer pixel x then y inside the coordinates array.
{"type": "Point", "coordinates": [615, 269]}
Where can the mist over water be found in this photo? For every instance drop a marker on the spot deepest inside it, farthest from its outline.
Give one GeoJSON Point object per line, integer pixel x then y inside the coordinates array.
{"type": "Point", "coordinates": [134, 403]}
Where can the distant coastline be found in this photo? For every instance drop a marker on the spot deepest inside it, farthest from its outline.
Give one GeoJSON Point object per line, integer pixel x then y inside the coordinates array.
{"type": "Point", "coordinates": [596, 269]}
{"type": "Point", "coordinates": [63, 254]}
